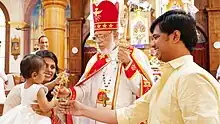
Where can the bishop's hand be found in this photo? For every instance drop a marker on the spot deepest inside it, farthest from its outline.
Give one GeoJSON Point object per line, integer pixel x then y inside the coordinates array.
{"type": "Point", "coordinates": [124, 55]}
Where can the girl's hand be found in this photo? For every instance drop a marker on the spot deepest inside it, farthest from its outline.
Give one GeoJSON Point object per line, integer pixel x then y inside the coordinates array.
{"type": "Point", "coordinates": [54, 101]}
{"type": "Point", "coordinates": [57, 80]}
{"type": "Point", "coordinates": [61, 92]}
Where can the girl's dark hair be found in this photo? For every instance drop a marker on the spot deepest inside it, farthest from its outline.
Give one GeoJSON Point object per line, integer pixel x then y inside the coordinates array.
{"type": "Point", "coordinates": [51, 55]}
{"type": "Point", "coordinates": [178, 20]}
{"type": "Point", "coordinates": [31, 63]}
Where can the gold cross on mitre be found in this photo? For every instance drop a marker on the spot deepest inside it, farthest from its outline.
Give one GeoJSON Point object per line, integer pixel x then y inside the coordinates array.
{"type": "Point", "coordinates": [97, 12]}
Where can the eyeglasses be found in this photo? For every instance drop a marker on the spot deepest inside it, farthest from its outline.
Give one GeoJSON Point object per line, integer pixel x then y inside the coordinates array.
{"type": "Point", "coordinates": [101, 36]}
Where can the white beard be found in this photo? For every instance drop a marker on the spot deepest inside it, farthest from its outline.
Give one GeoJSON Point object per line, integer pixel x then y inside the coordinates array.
{"type": "Point", "coordinates": [107, 50]}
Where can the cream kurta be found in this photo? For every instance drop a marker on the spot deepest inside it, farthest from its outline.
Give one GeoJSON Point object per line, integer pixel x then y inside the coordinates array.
{"type": "Point", "coordinates": [105, 79]}
{"type": "Point", "coordinates": [190, 96]}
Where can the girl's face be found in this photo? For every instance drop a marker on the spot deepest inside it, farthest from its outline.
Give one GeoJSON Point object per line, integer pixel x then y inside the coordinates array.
{"type": "Point", "coordinates": [50, 69]}
{"type": "Point", "coordinates": [40, 77]}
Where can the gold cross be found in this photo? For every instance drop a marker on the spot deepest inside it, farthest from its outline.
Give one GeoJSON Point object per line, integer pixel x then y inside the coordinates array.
{"type": "Point", "coordinates": [97, 12]}
{"type": "Point", "coordinates": [101, 56]}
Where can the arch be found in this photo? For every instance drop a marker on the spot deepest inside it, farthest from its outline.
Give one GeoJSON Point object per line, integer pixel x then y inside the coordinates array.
{"type": "Point", "coordinates": [7, 36]}
{"type": "Point", "coordinates": [28, 9]}
{"type": "Point", "coordinates": [27, 18]}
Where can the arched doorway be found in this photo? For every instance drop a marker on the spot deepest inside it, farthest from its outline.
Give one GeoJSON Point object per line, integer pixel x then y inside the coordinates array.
{"type": "Point", "coordinates": [27, 18]}
{"type": "Point", "coordinates": [4, 38]}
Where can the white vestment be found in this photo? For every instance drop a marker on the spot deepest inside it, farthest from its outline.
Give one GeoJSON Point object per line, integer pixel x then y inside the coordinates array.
{"type": "Point", "coordinates": [111, 86]}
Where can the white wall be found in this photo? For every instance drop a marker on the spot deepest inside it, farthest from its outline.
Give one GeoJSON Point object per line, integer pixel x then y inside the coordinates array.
{"type": "Point", "coordinates": [2, 39]}
{"type": "Point", "coordinates": [16, 12]}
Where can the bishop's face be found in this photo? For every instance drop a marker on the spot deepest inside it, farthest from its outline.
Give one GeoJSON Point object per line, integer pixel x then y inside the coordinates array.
{"type": "Point", "coordinates": [105, 41]}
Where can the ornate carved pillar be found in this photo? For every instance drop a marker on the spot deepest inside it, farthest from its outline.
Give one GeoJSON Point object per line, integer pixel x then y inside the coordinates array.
{"type": "Point", "coordinates": [201, 15]}
{"type": "Point", "coordinates": [74, 61]}
{"type": "Point", "coordinates": [54, 27]}
{"type": "Point", "coordinates": [202, 27]}
{"type": "Point", "coordinates": [214, 33]}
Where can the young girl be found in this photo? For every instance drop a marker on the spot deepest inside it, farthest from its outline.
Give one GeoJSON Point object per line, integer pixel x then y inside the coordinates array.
{"type": "Point", "coordinates": [32, 69]}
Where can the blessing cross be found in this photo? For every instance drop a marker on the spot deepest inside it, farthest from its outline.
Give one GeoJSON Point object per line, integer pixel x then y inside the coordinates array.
{"type": "Point", "coordinates": [63, 79]}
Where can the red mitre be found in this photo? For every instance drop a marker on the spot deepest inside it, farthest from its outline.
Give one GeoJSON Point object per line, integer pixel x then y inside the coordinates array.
{"type": "Point", "coordinates": [105, 16]}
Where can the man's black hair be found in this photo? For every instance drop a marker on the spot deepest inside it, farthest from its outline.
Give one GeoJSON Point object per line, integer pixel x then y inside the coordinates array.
{"type": "Point", "coordinates": [181, 21]}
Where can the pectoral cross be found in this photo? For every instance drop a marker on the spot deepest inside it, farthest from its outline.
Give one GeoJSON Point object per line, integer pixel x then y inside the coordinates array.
{"type": "Point", "coordinates": [105, 99]}
{"type": "Point", "coordinates": [102, 97]}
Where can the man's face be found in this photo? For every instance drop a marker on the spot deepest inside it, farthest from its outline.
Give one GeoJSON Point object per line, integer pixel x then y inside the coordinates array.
{"type": "Point", "coordinates": [104, 40]}
{"type": "Point", "coordinates": [160, 44]}
{"type": "Point", "coordinates": [43, 44]}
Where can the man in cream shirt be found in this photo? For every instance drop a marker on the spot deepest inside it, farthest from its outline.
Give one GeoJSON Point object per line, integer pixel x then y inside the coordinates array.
{"type": "Point", "coordinates": [186, 93]}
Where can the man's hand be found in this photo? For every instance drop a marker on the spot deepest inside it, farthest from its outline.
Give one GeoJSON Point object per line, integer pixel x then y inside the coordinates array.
{"type": "Point", "coordinates": [72, 107]}
{"type": "Point", "coordinates": [37, 109]}
{"type": "Point", "coordinates": [75, 108]}
{"type": "Point", "coordinates": [123, 55]}
{"type": "Point", "coordinates": [61, 92]}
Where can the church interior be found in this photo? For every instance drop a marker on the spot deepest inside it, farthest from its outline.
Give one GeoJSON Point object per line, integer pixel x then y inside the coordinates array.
{"type": "Point", "coordinates": [68, 26]}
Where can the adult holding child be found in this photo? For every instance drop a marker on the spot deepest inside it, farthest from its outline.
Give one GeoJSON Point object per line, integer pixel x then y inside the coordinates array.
{"type": "Point", "coordinates": [33, 70]}
{"type": "Point", "coordinates": [14, 97]}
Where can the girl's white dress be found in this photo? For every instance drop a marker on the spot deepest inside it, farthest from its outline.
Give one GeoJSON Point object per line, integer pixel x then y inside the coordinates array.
{"type": "Point", "coordinates": [23, 113]}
